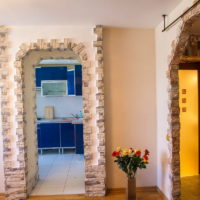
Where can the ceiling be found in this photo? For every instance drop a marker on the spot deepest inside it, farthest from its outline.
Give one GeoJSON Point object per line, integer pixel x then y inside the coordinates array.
{"type": "Point", "coordinates": [117, 13]}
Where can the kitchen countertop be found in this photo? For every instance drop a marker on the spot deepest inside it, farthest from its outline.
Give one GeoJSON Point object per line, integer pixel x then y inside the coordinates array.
{"type": "Point", "coordinates": [61, 120]}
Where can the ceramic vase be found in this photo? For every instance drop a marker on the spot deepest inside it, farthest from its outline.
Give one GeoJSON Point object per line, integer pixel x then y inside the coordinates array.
{"type": "Point", "coordinates": [131, 189]}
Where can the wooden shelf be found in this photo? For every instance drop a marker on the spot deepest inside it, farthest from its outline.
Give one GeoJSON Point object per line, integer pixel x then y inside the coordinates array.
{"type": "Point", "coordinates": [190, 59]}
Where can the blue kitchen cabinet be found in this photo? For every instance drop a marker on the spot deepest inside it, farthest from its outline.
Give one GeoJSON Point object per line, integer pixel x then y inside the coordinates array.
{"type": "Point", "coordinates": [79, 138]}
{"type": "Point", "coordinates": [75, 81]}
{"type": "Point", "coordinates": [78, 80]}
{"type": "Point", "coordinates": [39, 139]}
{"type": "Point", "coordinates": [60, 135]}
{"type": "Point", "coordinates": [71, 82]}
{"type": "Point", "coordinates": [50, 135]}
{"type": "Point", "coordinates": [50, 73]}
{"type": "Point", "coordinates": [67, 135]}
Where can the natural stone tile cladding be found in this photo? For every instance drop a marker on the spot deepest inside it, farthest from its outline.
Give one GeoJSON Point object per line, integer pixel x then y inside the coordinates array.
{"type": "Point", "coordinates": [16, 175]}
{"type": "Point", "coordinates": [178, 49]}
{"type": "Point", "coordinates": [192, 48]}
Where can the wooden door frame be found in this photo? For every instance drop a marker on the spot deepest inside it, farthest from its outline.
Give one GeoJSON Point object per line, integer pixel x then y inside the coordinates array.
{"type": "Point", "coordinates": [195, 66]}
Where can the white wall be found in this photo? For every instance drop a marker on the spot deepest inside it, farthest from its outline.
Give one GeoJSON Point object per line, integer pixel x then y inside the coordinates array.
{"type": "Point", "coordinates": [63, 106]}
{"type": "Point", "coordinates": [163, 51]}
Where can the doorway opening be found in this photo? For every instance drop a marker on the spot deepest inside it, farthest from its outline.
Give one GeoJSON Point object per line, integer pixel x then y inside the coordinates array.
{"type": "Point", "coordinates": [53, 105]}
{"type": "Point", "coordinates": [189, 87]}
{"type": "Point", "coordinates": [59, 127]}
{"type": "Point", "coordinates": [189, 98]}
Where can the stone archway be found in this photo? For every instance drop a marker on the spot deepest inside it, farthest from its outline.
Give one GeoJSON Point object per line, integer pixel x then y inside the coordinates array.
{"type": "Point", "coordinates": [93, 109]}
{"type": "Point", "coordinates": [173, 118]}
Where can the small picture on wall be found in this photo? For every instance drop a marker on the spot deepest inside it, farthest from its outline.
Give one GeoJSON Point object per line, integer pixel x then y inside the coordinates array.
{"type": "Point", "coordinates": [184, 91]}
{"type": "Point", "coordinates": [184, 100]}
{"type": "Point", "coordinates": [184, 109]}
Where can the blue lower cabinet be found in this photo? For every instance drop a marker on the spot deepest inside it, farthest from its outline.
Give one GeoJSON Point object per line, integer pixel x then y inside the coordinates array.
{"type": "Point", "coordinates": [79, 138]}
{"type": "Point", "coordinates": [50, 135]}
{"type": "Point", "coordinates": [67, 135]}
{"type": "Point", "coordinates": [39, 139]}
{"type": "Point", "coordinates": [61, 135]}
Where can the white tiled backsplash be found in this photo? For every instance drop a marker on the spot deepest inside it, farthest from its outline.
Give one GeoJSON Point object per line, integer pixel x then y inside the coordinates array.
{"type": "Point", "coordinates": [63, 106]}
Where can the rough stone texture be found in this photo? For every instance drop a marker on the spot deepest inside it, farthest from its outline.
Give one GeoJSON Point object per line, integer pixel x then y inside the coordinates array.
{"type": "Point", "coordinates": [16, 170]}
{"type": "Point", "coordinates": [192, 48]}
{"type": "Point", "coordinates": [96, 175]}
{"type": "Point", "coordinates": [178, 49]}
{"type": "Point", "coordinates": [15, 181]}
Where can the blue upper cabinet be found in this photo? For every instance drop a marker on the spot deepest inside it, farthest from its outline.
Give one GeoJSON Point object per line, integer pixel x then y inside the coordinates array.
{"type": "Point", "coordinates": [71, 82]}
{"type": "Point", "coordinates": [73, 77]}
{"type": "Point", "coordinates": [75, 81]}
{"type": "Point", "coordinates": [50, 73]}
{"type": "Point", "coordinates": [78, 78]}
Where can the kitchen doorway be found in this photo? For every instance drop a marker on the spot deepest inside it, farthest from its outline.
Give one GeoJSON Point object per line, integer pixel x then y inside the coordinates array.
{"type": "Point", "coordinates": [59, 106]}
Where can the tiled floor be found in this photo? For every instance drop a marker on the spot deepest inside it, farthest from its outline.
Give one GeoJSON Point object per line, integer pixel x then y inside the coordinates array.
{"type": "Point", "coordinates": [190, 188]}
{"type": "Point", "coordinates": [60, 174]}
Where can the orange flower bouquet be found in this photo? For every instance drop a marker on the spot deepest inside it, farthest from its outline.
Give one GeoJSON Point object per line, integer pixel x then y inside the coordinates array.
{"type": "Point", "coordinates": [129, 160]}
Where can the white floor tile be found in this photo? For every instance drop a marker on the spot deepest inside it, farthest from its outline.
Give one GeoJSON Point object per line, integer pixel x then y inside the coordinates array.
{"type": "Point", "coordinates": [53, 183]}
{"type": "Point", "coordinates": [37, 187]}
{"type": "Point", "coordinates": [35, 191]}
{"type": "Point", "coordinates": [50, 190]}
{"type": "Point", "coordinates": [60, 174]}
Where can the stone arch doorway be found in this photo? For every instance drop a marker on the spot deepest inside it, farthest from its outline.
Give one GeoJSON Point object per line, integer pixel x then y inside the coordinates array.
{"type": "Point", "coordinates": [174, 110]}
{"type": "Point", "coordinates": [16, 182]}
{"type": "Point", "coordinates": [29, 62]}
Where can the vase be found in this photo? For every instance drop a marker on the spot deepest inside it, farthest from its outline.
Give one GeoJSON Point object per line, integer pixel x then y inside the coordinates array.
{"type": "Point", "coordinates": [131, 189]}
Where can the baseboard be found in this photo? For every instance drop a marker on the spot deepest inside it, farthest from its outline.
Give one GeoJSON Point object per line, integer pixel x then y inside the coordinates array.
{"type": "Point", "coordinates": [151, 188]}
{"type": "Point", "coordinates": [2, 195]}
{"type": "Point", "coordinates": [109, 191]}
{"type": "Point", "coordinates": [161, 193]}
{"type": "Point", "coordinates": [148, 188]}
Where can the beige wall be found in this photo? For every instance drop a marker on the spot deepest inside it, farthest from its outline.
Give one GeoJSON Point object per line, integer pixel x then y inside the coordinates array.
{"type": "Point", "coordinates": [130, 98]}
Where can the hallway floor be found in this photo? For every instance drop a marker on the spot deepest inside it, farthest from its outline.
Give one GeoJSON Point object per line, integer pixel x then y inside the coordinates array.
{"type": "Point", "coordinates": [142, 194]}
{"type": "Point", "coordinates": [60, 174]}
{"type": "Point", "coordinates": [190, 188]}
